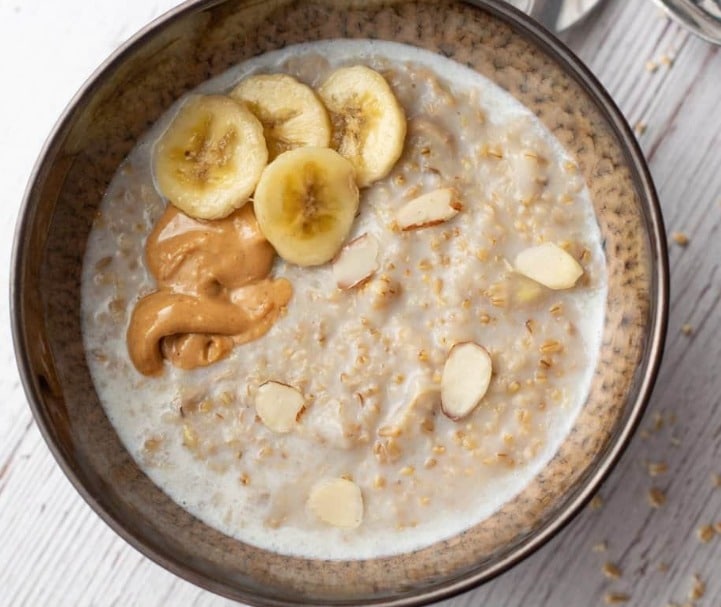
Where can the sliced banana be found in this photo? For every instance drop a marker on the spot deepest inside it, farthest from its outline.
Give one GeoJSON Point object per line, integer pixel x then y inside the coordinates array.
{"type": "Point", "coordinates": [291, 113]}
{"type": "Point", "coordinates": [369, 126]}
{"type": "Point", "coordinates": [305, 204]}
{"type": "Point", "coordinates": [209, 160]}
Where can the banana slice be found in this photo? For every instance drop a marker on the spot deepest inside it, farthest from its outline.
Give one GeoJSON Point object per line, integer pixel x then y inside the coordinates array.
{"type": "Point", "coordinates": [291, 113]}
{"type": "Point", "coordinates": [305, 204]}
{"type": "Point", "coordinates": [209, 160]}
{"type": "Point", "coordinates": [369, 126]}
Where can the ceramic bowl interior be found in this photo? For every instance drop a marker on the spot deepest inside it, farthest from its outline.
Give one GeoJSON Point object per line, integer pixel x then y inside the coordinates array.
{"type": "Point", "coordinates": [201, 40]}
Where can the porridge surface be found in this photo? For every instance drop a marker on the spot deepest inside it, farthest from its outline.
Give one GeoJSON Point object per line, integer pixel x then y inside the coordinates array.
{"type": "Point", "coordinates": [369, 360]}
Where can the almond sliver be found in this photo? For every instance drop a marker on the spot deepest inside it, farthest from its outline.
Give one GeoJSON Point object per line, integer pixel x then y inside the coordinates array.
{"type": "Point", "coordinates": [356, 262]}
{"type": "Point", "coordinates": [465, 379]}
{"type": "Point", "coordinates": [429, 209]}
{"type": "Point", "coordinates": [278, 405]}
{"type": "Point", "coordinates": [549, 265]}
{"type": "Point", "coordinates": [337, 502]}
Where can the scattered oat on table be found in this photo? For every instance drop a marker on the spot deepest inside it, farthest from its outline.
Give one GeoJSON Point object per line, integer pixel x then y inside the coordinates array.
{"type": "Point", "coordinates": [698, 588]}
{"type": "Point", "coordinates": [717, 527]}
{"type": "Point", "coordinates": [602, 546]}
{"type": "Point", "coordinates": [705, 533]}
{"type": "Point", "coordinates": [663, 567]}
{"type": "Point", "coordinates": [611, 571]}
{"type": "Point", "coordinates": [680, 238]}
{"type": "Point", "coordinates": [656, 497]}
{"type": "Point", "coordinates": [640, 128]}
{"type": "Point", "coordinates": [666, 59]}
{"type": "Point", "coordinates": [656, 468]}
{"type": "Point", "coordinates": [596, 502]}
{"type": "Point", "coordinates": [716, 480]}
{"type": "Point", "coordinates": [687, 329]}
{"type": "Point", "coordinates": [616, 598]}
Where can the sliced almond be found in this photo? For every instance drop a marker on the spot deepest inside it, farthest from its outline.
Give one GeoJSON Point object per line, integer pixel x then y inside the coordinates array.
{"type": "Point", "coordinates": [338, 502]}
{"type": "Point", "coordinates": [356, 262]}
{"type": "Point", "coordinates": [429, 209]}
{"type": "Point", "coordinates": [526, 290]}
{"type": "Point", "coordinates": [420, 407]}
{"type": "Point", "coordinates": [549, 265]}
{"type": "Point", "coordinates": [425, 400]}
{"type": "Point", "coordinates": [278, 405]}
{"type": "Point", "coordinates": [465, 380]}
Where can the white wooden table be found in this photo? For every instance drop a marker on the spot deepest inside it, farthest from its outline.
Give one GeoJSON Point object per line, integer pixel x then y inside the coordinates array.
{"type": "Point", "coordinates": [55, 551]}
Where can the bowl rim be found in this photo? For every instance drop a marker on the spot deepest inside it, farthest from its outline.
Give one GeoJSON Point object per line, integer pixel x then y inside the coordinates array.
{"type": "Point", "coordinates": [658, 322]}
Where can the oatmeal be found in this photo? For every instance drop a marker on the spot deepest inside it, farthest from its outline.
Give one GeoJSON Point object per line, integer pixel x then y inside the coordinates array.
{"type": "Point", "coordinates": [359, 349]}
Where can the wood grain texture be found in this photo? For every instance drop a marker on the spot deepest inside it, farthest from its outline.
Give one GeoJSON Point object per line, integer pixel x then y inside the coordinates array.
{"type": "Point", "coordinates": [56, 551]}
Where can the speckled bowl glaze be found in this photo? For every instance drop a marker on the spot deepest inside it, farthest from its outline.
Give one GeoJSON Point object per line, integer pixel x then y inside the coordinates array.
{"type": "Point", "coordinates": [200, 40]}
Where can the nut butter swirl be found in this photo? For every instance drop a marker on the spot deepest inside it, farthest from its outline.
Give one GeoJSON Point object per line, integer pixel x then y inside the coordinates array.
{"type": "Point", "coordinates": [214, 291]}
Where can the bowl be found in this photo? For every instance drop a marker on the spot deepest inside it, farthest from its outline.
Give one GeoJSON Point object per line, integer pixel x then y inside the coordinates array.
{"type": "Point", "coordinates": [201, 39]}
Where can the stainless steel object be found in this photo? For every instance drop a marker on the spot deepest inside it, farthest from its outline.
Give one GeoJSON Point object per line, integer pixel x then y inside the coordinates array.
{"type": "Point", "coordinates": [201, 39]}
{"type": "Point", "coordinates": [702, 17]}
{"type": "Point", "coordinates": [557, 15]}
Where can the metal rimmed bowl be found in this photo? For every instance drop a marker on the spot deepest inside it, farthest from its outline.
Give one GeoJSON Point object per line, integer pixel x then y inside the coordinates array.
{"type": "Point", "coordinates": [201, 39]}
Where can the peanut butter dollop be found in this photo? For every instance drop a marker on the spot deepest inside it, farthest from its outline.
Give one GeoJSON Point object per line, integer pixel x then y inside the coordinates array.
{"type": "Point", "coordinates": [214, 291]}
